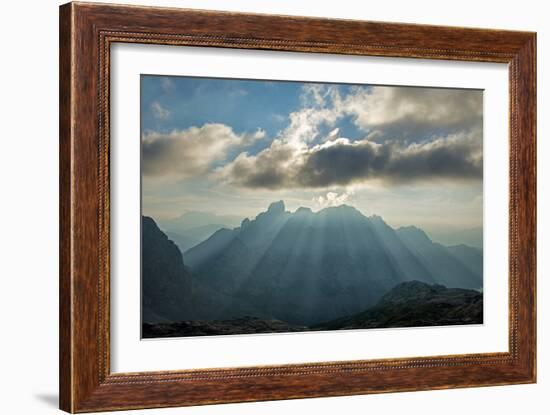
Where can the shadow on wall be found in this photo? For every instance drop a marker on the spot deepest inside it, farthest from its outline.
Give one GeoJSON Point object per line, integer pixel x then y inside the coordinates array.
{"type": "Point", "coordinates": [50, 399]}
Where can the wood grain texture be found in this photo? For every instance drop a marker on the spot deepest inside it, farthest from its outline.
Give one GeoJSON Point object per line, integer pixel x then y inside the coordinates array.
{"type": "Point", "coordinates": [65, 246]}
{"type": "Point", "coordinates": [86, 33]}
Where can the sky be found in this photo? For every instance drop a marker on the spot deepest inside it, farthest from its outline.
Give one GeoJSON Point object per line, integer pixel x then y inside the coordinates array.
{"type": "Point", "coordinates": [412, 155]}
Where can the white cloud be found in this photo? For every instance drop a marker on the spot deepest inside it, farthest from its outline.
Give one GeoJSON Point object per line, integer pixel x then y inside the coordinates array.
{"type": "Point", "coordinates": [316, 95]}
{"type": "Point", "coordinates": [386, 113]}
{"type": "Point", "coordinates": [184, 153]}
{"type": "Point", "coordinates": [333, 199]}
{"type": "Point", "coordinates": [167, 85]}
{"type": "Point", "coordinates": [278, 117]}
{"type": "Point", "coordinates": [322, 106]}
{"type": "Point", "coordinates": [159, 112]}
{"type": "Point", "coordinates": [305, 126]}
{"type": "Point", "coordinates": [414, 108]}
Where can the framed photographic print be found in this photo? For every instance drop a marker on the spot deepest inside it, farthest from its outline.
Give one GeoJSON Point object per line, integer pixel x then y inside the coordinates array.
{"type": "Point", "coordinates": [260, 207]}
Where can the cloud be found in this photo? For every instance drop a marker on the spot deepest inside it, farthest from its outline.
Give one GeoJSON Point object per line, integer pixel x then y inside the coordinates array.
{"type": "Point", "coordinates": [409, 135]}
{"type": "Point", "coordinates": [318, 95]}
{"type": "Point", "coordinates": [305, 125]}
{"type": "Point", "coordinates": [167, 84]}
{"type": "Point", "coordinates": [407, 112]}
{"type": "Point", "coordinates": [321, 106]}
{"type": "Point", "coordinates": [456, 157]}
{"type": "Point", "coordinates": [159, 112]}
{"type": "Point", "coordinates": [278, 118]}
{"type": "Point", "coordinates": [340, 162]}
{"type": "Point", "coordinates": [190, 152]}
{"type": "Point", "coordinates": [333, 199]}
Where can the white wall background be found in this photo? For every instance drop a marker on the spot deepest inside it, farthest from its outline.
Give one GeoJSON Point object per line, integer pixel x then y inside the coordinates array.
{"type": "Point", "coordinates": [29, 192]}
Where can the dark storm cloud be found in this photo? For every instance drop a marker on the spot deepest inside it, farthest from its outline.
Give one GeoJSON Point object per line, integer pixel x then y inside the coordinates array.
{"type": "Point", "coordinates": [457, 161]}
{"type": "Point", "coordinates": [340, 163]}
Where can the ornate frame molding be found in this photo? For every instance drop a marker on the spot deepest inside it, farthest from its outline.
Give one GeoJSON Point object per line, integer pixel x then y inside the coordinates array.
{"type": "Point", "coordinates": [87, 32]}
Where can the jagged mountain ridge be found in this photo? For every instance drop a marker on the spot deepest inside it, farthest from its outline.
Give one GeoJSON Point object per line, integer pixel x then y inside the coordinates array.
{"type": "Point", "coordinates": [307, 267]}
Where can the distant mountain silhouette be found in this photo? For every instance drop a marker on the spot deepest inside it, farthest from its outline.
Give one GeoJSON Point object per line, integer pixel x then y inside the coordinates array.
{"type": "Point", "coordinates": [416, 304]}
{"type": "Point", "coordinates": [191, 228]}
{"type": "Point", "coordinates": [305, 268]}
{"type": "Point", "coordinates": [470, 237]}
{"type": "Point", "coordinates": [183, 242]}
{"type": "Point", "coordinates": [193, 236]}
{"type": "Point", "coordinates": [196, 220]}
{"type": "Point", "coordinates": [471, 257]}
{"type": "Point", "coordinates": [452, 267]}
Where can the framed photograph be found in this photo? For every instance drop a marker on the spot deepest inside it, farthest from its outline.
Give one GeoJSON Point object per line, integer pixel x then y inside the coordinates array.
{"type": "Point", "coordinates": [258, 207]}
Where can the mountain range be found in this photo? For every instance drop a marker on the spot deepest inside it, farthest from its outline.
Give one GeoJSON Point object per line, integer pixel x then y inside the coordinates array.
{"type": "Point", "coordinates": [472, 237]}
{"type": "Point", "coordinates": [302, 268]}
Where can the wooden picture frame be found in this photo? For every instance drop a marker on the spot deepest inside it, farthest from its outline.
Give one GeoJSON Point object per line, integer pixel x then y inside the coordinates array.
{"type": "Point", "coordinates": [86, 33]}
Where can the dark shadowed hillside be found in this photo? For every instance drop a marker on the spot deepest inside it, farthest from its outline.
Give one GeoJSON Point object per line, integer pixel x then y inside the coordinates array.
{"type": "Point", "coordinates": [166, 283]}
{"type": "Point", "coordinates": [244, 325]}
{"type": "Point", "coordinates": [170, 293]}
{"type": "Point", "coordinates": [416, 304]}
{"type": "Point", "coordinates": [410, 304]}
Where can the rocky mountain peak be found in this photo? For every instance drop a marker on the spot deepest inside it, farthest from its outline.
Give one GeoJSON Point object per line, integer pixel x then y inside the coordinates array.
{"type": "Point", "coordinates": [276, 208]}
{"type": "Point", "coordinates": [245, 223]}
{"type": "Point", "coordinates": [342, 210]}
{"type": "Point", "coordinates": [413, 232]}
{"type": "Point", "coordinates": [303, 211]}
